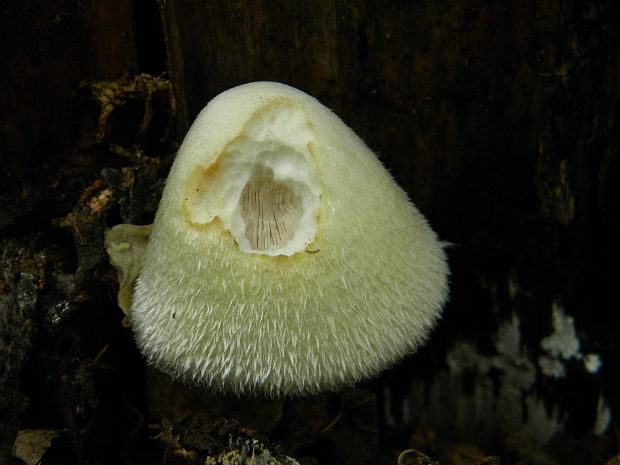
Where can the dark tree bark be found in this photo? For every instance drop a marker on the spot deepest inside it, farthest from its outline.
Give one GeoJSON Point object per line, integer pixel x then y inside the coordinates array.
{"type": "Point", "coordinates": [498, 118]}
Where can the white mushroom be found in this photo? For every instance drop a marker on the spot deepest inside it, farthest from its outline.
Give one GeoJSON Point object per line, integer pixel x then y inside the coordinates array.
{"type": "Point", "coordinates": [284, 259]}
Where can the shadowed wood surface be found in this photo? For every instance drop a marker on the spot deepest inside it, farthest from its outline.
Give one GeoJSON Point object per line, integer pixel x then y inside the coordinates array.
{"type": "Point", "coordinates": [498, 118]}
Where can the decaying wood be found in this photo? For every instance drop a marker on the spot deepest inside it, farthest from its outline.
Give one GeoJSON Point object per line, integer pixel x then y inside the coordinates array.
{"type": "Point", "coordinates": [498, 118]}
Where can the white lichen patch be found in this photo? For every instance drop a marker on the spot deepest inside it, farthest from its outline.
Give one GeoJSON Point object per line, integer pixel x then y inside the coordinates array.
{"type": "Point", "coordinates": [603, 417]}
{"type": "Point", "coordinates": [493, 389]}
{"type": "Point", "coordinates": [592, 362]}
{"type": "Point", "coordinates": [563, 342]}
{"type": "Point", "coordinates": [551, 366]}
{"type": "Point", "coordinates": [563, 345]}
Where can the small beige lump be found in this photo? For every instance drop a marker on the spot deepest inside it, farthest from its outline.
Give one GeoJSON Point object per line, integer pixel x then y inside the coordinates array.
{"type": "Point", "coordinates": [284, 259]}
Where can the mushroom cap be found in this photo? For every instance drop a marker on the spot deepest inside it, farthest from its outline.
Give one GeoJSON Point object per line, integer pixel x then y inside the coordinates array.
{"type": "Point", "coordinates": [284, 259]}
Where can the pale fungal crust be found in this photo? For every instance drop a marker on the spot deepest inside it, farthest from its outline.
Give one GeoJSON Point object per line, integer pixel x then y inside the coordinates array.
{"type": "Point", "coordinates": [284, 259]}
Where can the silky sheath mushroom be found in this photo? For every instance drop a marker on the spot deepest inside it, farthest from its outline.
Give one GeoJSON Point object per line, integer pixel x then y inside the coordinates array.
{"type": "Point", "coordinates": [284, 259]}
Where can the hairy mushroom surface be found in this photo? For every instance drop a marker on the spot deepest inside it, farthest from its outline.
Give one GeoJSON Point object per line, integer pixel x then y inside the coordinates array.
{"type": "Point", "coordinates": [284, 259]}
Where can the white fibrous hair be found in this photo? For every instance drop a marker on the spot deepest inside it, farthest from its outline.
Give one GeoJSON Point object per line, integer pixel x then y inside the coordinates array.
{"type": "Point", "coordinates": [284, 259]}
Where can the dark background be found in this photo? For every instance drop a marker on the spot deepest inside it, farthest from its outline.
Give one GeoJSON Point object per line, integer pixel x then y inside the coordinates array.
{"type": "Point", "coordinates": [500, 120]}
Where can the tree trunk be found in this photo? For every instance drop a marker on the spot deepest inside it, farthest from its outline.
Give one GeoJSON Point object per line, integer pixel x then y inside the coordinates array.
{"type": "Point", "coordinates": [499, 120]}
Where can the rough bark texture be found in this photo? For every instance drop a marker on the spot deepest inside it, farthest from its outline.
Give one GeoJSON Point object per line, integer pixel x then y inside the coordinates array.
{"type": "Point", "coordinates": [498, 118]}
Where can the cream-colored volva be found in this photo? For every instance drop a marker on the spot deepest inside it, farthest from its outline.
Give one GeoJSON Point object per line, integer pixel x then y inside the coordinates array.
{"type": "Point", "coordinates": [284, 259]}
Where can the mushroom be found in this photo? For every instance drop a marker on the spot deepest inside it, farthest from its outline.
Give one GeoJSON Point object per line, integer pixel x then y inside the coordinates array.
{"type": "Point", "coordinates": [284, 259]}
